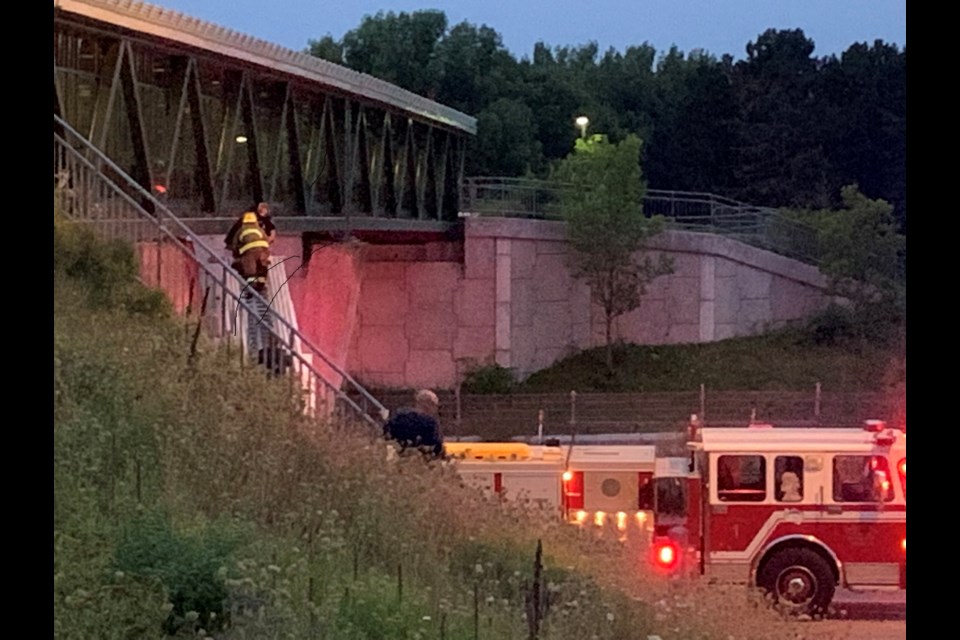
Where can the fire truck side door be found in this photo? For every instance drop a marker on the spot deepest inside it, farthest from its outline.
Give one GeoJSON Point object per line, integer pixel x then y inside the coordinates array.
{"type": "Point", "coordinates": [863, 531]}
{"type": "Point", "coordinates": [739, 503]}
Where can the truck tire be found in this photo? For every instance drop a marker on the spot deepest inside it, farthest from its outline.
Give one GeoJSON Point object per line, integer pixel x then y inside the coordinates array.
{"type": "Point", "coordinates": [799, 581]}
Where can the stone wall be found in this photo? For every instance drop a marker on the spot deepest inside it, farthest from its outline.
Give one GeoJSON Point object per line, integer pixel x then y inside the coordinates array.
{"type": "Point", "coordinates": [426, 313]}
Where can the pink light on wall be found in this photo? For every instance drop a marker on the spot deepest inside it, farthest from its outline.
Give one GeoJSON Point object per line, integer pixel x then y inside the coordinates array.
{"type": "Point", "coordinates": [326, 302]}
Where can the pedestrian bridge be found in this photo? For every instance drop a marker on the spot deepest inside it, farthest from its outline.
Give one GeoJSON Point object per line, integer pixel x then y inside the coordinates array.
{"type": "Point", "coordinates": [213, 120]}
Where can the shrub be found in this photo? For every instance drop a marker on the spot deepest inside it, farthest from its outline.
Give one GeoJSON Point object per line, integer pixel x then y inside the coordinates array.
{"type": "Point", "coordinates": [876, 324]}
{"type": "Point", "coordinates": [489, 379]}
{"type": "Point", "coordinates": [108, 269]}
{"type": "Point", "coordinates": [190, 567]}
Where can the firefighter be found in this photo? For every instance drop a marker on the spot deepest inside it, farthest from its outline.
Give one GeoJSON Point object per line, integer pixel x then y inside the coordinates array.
{"type": "Point", "coordinates": [252, 252]}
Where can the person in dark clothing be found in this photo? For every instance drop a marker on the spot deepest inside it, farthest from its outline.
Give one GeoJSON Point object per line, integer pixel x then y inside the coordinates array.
{"type": "Point", "coordinates": [418, 428]}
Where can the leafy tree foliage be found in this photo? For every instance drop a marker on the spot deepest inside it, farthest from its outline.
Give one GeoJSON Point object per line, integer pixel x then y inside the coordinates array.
{"type": "Point", "coordinates": [606, 226]}
{"type": "Point", "coordinates": [781, 128]}
{"type": "Point", "coordinates": [862, 255]}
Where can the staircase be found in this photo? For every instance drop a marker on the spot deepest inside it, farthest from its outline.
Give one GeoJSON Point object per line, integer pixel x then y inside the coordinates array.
{"type": "Point", "coordinates": [90, 189]}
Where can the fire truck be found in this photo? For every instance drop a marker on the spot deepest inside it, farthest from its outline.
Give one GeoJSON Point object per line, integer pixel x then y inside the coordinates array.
{"type": "Point", "coordinates": [794, 511]}
{"type": "Point", "coordinates": [583, 484]}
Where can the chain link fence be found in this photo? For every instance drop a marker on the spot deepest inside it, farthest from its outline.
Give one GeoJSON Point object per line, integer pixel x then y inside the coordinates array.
{"type": "Point", "coordinates": [501, 417]}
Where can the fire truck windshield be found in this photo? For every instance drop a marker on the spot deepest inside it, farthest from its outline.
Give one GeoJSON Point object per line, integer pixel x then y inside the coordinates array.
{"type": "Point", "coordinates": [671, 498]}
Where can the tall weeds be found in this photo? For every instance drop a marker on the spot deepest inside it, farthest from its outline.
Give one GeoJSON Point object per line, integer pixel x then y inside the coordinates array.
{"type": "Point", "coordinates": [192, 498]}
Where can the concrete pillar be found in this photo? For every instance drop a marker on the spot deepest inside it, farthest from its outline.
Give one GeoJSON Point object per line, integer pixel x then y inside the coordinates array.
{"type": "Point", "coordinates": [708, 265]}
{"type": "Point", "coordinates": [503, 298]}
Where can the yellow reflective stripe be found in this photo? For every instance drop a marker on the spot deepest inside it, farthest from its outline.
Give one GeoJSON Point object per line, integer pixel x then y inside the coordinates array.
{"type": "Point", "coordinates": [247, 232]}
{"type": "Point", "coordinates": [254, 245]}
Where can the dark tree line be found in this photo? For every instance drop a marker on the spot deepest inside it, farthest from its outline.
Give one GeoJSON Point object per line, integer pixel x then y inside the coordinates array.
{"type": "Point", "coordinates": [781, 128]}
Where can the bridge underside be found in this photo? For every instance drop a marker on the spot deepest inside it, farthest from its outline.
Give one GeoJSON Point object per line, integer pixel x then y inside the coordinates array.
{"type": "Point", "coordinates": [213, 134]}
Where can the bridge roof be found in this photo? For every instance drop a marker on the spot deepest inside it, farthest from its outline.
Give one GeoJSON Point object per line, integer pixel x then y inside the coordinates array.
{"type": "Point", "coordinates": [185, 30]}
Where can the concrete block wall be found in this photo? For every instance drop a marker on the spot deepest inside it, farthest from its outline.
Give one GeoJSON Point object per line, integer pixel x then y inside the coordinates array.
{"type": "Point", "coordinates": [420, 315]}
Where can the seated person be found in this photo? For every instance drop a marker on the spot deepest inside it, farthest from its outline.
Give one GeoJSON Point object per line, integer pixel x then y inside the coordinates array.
{"type": "Point", "coordinates": [790, 486]}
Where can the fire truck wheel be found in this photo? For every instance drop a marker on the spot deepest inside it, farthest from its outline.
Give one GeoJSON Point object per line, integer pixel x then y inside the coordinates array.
{"type": "Point", "coordinates": [799, 581]}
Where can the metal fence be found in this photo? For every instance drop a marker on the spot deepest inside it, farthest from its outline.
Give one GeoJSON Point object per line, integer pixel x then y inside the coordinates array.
{"type": "Point", "coordinates": [90, 190]}
{"type": "Point", "coordinates": [498, 417]}
{"type": "Point", "coordinates": [762, 227]}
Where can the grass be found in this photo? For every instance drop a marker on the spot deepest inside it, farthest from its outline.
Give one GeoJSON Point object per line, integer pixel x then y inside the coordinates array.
{"type": "Point", "coordinates": [193, 499]}
{"type": "Point", "coordinates": [786, 360]}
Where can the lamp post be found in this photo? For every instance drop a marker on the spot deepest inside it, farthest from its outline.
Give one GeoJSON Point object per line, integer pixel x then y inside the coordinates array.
{"type": "Point", "coordinates": [582, 122]}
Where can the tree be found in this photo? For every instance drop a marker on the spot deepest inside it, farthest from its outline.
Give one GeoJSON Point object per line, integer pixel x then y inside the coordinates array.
{"type": "Point", "coordinates": [505, 142]}
{"type": "Point", "coordinates": [326, 48]}
{"type": "Point", "coordinates": [862, 256]}
{"type": "Point", "coordinates": [399, 48]}
{"type": "Point", "coordinates": [606, 227]}
{"type": "Point", "coordinates": [861, 251]}
{"type": "Point", "coordinates": [866, 89]}
{"type": "Point", "coordinates": [695, 111]}
{"type": "Point", "coordinates": [780, 158]}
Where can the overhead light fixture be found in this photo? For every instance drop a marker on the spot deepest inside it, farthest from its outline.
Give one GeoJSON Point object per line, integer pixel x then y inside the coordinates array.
{"type": "Point", "coordinates": [241, 139]}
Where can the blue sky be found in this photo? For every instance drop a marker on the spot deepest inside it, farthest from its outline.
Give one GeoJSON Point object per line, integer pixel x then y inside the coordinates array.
{"type": "Point", "coordinates": [717, 26]}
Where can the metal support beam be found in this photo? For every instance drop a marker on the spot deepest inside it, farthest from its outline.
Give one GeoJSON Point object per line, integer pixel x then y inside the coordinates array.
{"type": "Point", "coordinates": [365, 199]}
{"type": "Point", "coordinates": [253, 140]}
{"type": "Point", "coordinates": [314, 162]}
{"type": "Point", "coordinates": [179, 70]}
{"type": "Point", "coordinates": [408, 181]}
{"type": "Point", "coordinates": [423, 176]}
{"type": "Point", "coordinates": [105, 93]}
{"type": "Point", "coordinates": [387, 180]}
{"type": "Point", "coordinates": [297, 183]}
{"type": "Point", "coordinates": [431, 208]}
{"type": "Point", "coordinates": [334, 193]}
{"type": "Point", "coordinates": [138, 137]}
{"type": "Point", "coordinates": [204, 176]}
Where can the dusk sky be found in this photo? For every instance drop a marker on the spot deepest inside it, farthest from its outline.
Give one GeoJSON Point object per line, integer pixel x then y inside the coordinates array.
{"type": "Point", "coordinates": [717, 26]}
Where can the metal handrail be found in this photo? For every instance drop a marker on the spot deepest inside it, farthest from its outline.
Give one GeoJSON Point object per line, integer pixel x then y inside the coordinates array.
{"type": "Point", "coordinates": [763, 227]}
{"type": "Point", "coordinates": [172, 230]}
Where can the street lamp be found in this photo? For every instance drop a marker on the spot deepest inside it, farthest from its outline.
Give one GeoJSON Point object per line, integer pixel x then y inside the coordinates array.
{"type": "Point", "coordinates": [582, 122]}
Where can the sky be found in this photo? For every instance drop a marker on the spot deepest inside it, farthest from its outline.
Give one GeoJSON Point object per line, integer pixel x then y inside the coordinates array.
{"type": "Point", "coordinates": [717, 26]}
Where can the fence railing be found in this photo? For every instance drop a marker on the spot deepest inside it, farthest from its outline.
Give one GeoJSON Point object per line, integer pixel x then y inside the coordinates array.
{"type": "Point", "coordinates": [763, 227]}
{"type": "Point", "coordinates": [495, 417]}
{"type": "Point", "coordinates": [90, 189]}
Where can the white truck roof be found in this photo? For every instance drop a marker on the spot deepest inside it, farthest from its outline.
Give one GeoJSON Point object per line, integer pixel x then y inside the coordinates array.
{"type": "Point", "coordinates": [814, 439]}
{"type": "Point", "coordinates": [612, 457]}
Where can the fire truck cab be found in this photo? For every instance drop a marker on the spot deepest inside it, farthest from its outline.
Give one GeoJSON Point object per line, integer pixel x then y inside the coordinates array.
{"type": "Point", "coordinates": [796, 512]}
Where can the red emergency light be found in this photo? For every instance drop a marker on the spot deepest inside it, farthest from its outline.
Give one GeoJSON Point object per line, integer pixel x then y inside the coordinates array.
{"type": "Point", "coordinates": [666, 554]}
{"type": "Point", "coordinates": [573, 489]}
{"type": "Point", "coordinates": [902, 470]}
